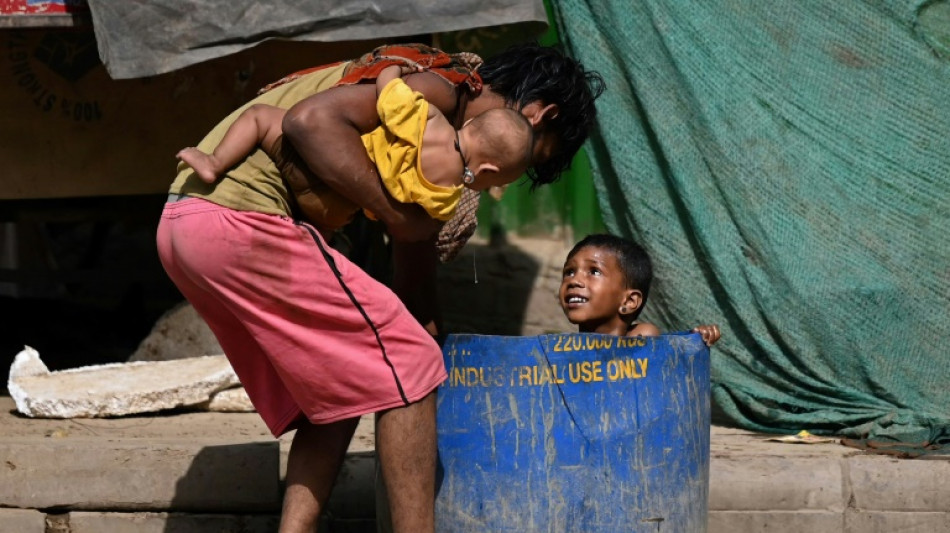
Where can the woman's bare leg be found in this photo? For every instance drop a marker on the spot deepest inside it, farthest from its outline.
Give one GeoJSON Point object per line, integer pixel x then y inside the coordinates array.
{"type": "Point", "coordinates": [312, 466]}
{"type": "Point", "coordinates": [406, 448]}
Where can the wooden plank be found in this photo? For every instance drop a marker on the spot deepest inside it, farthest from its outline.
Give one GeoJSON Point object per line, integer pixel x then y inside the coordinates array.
{"type": "Point", "coordinates": [69, 130]}
{"type": "Point", "coordinates": [56, 20]}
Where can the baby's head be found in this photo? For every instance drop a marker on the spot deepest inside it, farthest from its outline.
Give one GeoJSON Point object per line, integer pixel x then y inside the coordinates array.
{"type": "Point", "coordinates": [498, 148]}
{"type": "Point", "coordinates": [605, 283]}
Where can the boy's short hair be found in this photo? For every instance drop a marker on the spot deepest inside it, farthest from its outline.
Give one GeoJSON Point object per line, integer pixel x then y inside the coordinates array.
{"type": "Point", "coordinates": [505, 136]}
{"type": "Point", "coordinates": [634, 261]}
{"type": "Point", "coordinates": [528, 72]}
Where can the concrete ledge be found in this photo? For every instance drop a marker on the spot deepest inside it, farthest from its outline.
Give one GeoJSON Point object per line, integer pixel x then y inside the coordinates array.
{"type": "Point", "coordinates": [354, 495]}
{"type": "Point", "coordinates": [167, 473]}
{"type": "Point", "coordinates": [22, 521]}
{"type": "Point", "coordinates": [87, 522]}
{"type": "Point", "coordinates": [912, 522]}
{"type": "Point", "coordinates": [885, 484]}
{"type": "Point", "coordinates": [347, 525]}
{"type": "Point", "coordinates": [80, 522]}
{"type": "Point", "coordinates": [776, 521]}
{"type": "Point", "coordinates": [140, 475]}
{"type": "Point", "coordinates": [776, 484]}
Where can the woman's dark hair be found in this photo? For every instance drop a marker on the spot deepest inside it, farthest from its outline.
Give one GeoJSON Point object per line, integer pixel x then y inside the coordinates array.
{"type": "Point", "coordinates": [529, 72]}
{"type": "Point", "coordinates": [633, 259]}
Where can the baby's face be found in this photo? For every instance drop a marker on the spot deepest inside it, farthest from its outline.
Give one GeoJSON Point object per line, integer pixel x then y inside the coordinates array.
{"type": "Point", "coordinates": [592, 289]}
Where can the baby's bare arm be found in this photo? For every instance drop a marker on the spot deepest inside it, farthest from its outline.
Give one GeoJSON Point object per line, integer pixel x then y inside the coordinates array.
{"type": "Point", "coordinates": [387, 75]}
{"type": "Point", "coordinates": [257, 126]}
{"type": "Point", "coordinates": [392, 72]}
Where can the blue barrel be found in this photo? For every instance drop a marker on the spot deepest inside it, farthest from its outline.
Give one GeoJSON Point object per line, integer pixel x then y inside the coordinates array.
{"type": "Point", "coordinates": [574, 433]}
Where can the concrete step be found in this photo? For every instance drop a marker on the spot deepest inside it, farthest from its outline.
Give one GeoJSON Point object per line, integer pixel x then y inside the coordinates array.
{"type": "Point", "coordinates": [200, 471]}
{"type": "Point", "coordinates": [757, 485]}
{"type": "Point", "coordinates": [190, 471]}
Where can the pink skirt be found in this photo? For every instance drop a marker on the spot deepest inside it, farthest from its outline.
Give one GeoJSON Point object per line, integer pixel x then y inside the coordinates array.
{"type": "Point", "coordinates": [308, 332]}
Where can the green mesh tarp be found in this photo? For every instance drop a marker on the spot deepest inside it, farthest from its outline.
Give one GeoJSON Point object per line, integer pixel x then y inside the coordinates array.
{"type": "Point", "coordinates": [787, 165]}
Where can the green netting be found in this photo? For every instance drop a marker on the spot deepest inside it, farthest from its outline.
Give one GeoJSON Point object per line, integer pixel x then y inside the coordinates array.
{"type": "Point", "coordinates": [786, 164]}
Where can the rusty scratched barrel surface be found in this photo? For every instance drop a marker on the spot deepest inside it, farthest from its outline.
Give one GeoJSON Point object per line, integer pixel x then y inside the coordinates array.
{"type": "Point", "coordinates": [574, 433]}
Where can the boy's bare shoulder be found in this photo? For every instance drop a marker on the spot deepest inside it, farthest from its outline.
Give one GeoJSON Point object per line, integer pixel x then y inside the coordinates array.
{"type": "Point", "coordinates": [643, 329]}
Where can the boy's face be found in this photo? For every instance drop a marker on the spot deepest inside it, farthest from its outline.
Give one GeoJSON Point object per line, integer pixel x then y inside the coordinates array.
{"type": "Point", "coordinates": [592, 291]}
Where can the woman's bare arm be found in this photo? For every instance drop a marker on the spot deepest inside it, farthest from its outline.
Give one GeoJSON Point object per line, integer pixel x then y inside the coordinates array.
{"type": "Point", "coordinates": [325, 130]}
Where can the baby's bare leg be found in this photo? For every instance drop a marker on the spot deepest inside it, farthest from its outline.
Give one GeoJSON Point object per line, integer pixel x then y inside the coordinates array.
{"type": "Point", "coordinates": [257, 125]}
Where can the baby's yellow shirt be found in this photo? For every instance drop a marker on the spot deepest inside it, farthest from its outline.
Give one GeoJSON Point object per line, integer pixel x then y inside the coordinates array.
{"type": "Point", "coordinates": [396, 148]}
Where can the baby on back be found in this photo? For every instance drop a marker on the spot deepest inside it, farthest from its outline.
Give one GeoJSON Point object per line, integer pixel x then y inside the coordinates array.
{"type": "Point", "coordinates": [420, 156]}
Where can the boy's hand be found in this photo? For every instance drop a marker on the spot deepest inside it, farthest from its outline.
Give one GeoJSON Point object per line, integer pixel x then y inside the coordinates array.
{"type": "Point", "coordinates": [709, 332]}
